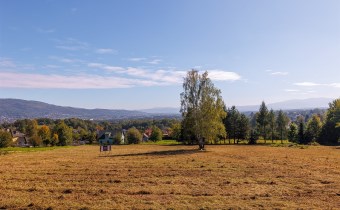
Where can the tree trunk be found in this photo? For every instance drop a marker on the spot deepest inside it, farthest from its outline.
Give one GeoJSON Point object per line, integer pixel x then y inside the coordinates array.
{"type": "Point", "coordinates": [201, 143]}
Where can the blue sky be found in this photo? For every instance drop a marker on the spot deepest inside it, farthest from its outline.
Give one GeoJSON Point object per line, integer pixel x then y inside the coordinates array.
{"type": "Point", "coordinates": [134, 54]}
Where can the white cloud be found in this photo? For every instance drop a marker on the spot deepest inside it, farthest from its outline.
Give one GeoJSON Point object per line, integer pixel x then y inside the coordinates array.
{"type": "Point", "coordinates": [136, 59]}
{"type": "Point", "coordinates": [279, 73]}
{"type": "Point", "coordinates": [154, 61]}
{"type": "Point", "coordinates": [105, 51]}
{"type": "Point", "coordinates": [65, 60]}
{"type": "Point", "coordinates": [312, 84]}
{"type": "Point", "coordinates": [307, 84]}
{"type": "Point", "coordinates": [23, 80]}
{"type": "Point", "coordinates": [291, 90]}
{"type": "Point", "coordinates": [106, 67]}
{"type": "Point", "coordinates": [220, 75]}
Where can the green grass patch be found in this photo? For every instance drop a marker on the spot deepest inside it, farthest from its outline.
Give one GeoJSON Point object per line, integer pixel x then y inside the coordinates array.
{"type": "Point", "coordinates": [30, 149]}
{"type": "Point", "coordinates": [162, 142]}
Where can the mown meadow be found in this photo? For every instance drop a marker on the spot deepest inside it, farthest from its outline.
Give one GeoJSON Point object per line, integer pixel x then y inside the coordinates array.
{"type": "Point", "coordinates": [172, 177]}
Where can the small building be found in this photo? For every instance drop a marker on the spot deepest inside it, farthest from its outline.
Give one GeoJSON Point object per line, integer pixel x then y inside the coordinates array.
{"type": "Point", "coordinates": [110, 137]}
{"type": "Point", "coordinates": [19, 139]}
{"type": "Point", "coordinates": [145, 137]}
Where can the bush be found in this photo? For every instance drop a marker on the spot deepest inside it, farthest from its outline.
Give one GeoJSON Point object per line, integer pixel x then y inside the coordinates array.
{"type": "Point", "coordinates": [156, 134]}
{"type": "Point", "coordinates": [5, 139]}
{"type": "Point", "coordinates": [134, 136]}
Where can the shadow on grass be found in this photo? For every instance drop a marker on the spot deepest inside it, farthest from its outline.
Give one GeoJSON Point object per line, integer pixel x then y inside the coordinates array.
{"type": "Point", "coordinates": [158, 153]}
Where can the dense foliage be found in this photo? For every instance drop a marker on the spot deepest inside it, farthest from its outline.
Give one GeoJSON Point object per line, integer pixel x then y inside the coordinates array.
{"type": "Point", "coordinates": [202, 109]}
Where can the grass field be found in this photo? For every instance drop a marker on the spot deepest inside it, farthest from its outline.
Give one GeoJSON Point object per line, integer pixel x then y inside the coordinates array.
{"type": "Point", "coordinates": [172, 177]}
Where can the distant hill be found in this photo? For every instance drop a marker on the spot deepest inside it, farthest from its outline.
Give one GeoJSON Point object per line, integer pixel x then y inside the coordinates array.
{"type": "Point", "coordinates": [11, 109]}
{"type": "Point", "coordinates": [310, 103]}
{"type": "Point", "coordinates": [162, 110]}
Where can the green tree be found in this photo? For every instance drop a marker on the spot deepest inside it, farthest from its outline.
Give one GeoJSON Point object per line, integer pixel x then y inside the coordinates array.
{"type": "Point", "coordinates": [242, 129]}
{"type": "Point", "coordinates": [5, 139]}
{"type": "Point", "coordinates": [54, 139]}
{"type": "Point", "coordinates": [301, 130]}
{"type": "Point", "coordinates": [35, 140]}
{"type": "Point", "coordinates": [292, 132]}
{"type": "Point", "coordinates": [271, 119]}
{"type": "Point", "coordinates": [32, 128]}
{"type": "Point", "coordinates": [117, 138]}
{"type": "Point", "coordinates": [202, 108]}
{"type": "Point", "coordinates": [64, 133]}
{"type": "Point", "coordinates": [133, 136]}
{"type": "Point", "coordinates": [330, 133]}
{"type": "Point", "coordinates": [313, 128]}
{"type": "Point", "coordinates": [44, 133]}
{"type": "Point", "coordinates": [262, 120]}
{"type": "Point", "coordinates": [281, 122]}
{"type": "Point", "coordinates": [156, 134]}
{"type": "Point", "coordinates": [231, 123]}
{"type": "Point", "coordinates": [176, 131]}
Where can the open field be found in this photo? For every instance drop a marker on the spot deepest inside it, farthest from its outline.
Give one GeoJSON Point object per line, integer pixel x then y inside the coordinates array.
{"type": "Point", "coordinates": [172, 177]}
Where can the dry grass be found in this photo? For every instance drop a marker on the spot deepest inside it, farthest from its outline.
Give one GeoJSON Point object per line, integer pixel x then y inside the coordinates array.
{"type": "Point", "coordinates": [172, 177]}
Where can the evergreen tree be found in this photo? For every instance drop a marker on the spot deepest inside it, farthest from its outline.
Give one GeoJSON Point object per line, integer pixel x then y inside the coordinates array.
{"type": "Point", "coordinates": [313, 129]}
{"type": "Point", "coordinates": [330, 132]}
{"type": "Point", "coordinates": [281, 122]}
{"type": "Point", "coordinates": [301, 131]}
{"type": "Point", "coordinates": [231, 123]}
{"type": "Point", "coordinates": [272, 124]}
{"type": "Point", "coordinates": [262, 120]}
{"type": "Point", "coordinates": [242, 127]}
{"type": "Point", "coordinates": [293, 132]}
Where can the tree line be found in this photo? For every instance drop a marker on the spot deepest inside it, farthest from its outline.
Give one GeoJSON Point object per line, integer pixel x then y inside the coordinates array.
{"type": "Point", "coordinates": [49, 132]}
{"type": "Point", "coordinates": [207, 120]}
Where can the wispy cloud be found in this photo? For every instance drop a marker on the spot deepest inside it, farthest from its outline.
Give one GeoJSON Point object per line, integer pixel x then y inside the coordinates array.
{"type": "Point", "coordinates": [279, 73]}
{"type": "Point", "coordinates": [307, 84]}
{"type": "Point", "coordinates": [154, 61]}
{"type": "Point", "coordinates": [46, 30]}
{"type": "Point", "coordinates": [291, 90]}
{"type": "Point", "coordinates": [24, 80]}
{"type": "Point", "coordinates": [71, 44]}
{"type": "Point", "coordinates": [65, 60]}
{"type": "Point", "coordinates": [106, 67]}
{"type": "Point", "coordinates": [136, 59]}
{"type": "Point", "coordinates": [312, 84]}
{"type": "Point", "coordinates": [105, 51]}
{"type": "Point", "coordinates": [7, 63]}
{"type": "Point", "coordinates": [165, 76]}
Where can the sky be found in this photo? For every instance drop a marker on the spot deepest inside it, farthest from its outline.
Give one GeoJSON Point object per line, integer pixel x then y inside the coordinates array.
{"type": "Point", "coordinates": [134, 54]}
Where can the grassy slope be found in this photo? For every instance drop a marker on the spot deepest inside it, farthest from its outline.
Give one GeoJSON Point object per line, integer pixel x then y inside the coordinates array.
{"type": "Point", "coordinates": [160, 177]}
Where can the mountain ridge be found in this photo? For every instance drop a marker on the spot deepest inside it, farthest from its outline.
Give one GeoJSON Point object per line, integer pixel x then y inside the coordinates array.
{"type": "Point", "coordinates": [309, 103]}
{"type": "Point", "coordinates": [12, 109]}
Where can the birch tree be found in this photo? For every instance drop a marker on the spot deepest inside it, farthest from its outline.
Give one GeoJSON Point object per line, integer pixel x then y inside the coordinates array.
{"type": "Point", "coordinates": [202, 108]}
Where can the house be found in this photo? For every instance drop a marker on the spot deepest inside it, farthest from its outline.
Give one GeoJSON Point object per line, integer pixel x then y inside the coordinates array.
{"type": "Point", "coordinates": [145, 137]}
{"type": "Point", "coordinates": [19, 139]}
{"type": "Point", "coordinates": [110, 137]}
